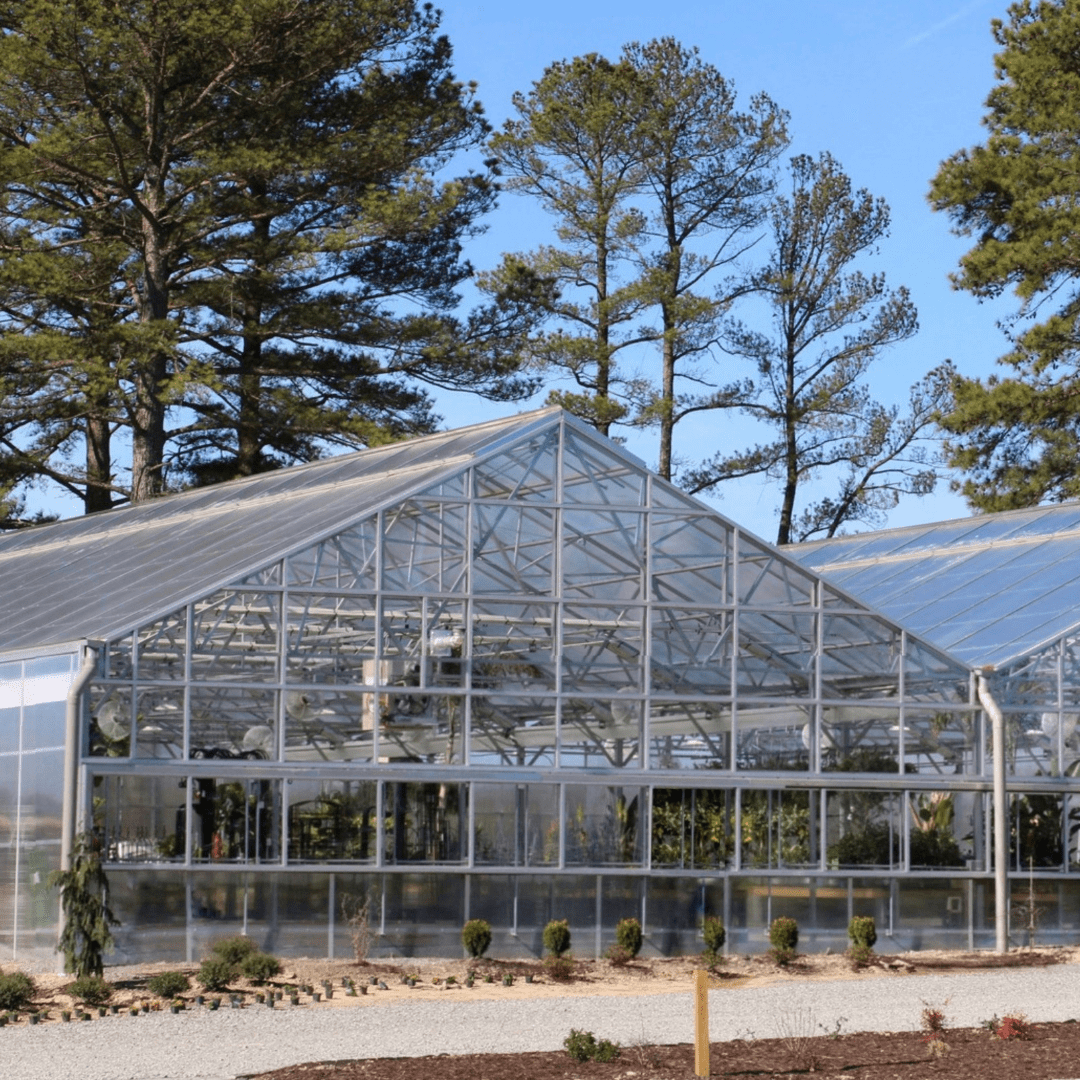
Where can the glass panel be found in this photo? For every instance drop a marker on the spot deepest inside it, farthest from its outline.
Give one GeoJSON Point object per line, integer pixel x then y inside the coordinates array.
{"type": "Point", "coordinates": [766, 580]}
{"type": "Point", "coordinates": [512, 646]}
{"type": "Point", "coordinates": [140, 818]}
{"type": "Point", "coordinates": [512, 730]}
{"type": "Point", "coordinates": [776, 654]}
{"type": "Point", "coordinates": [235, 820]}
{"type": "Point", "coordinates": [41, 794]}
{"type": "Point", "coordinates": [9, 730]}
{"type": "Point", "coordinates": [159, 727]}
{"type": "Point", "coordinates": [235, 637]}
{"type": "Point", "coordinates": [863, 830]}
{"type": "Point", "coordinates": [861, 738]}
{"type": "Point", "coordinates": [513, 549]}
{"type": "Point", "coordinates": [603, 554]}
{"type": "Point", "coordinates": [778, 829]}
{"type": "Point", "coordinates": [233, 722]}
{"type": "Point", "coordinates": [1027, 751]}
{"type": "Point", "coordinates": [690, 559]}
{"type": "Point", "coordinates": [692, 829]}
{"type": "Point", "coordinates": [332, 820]}
{"type": "Point", "coordinates": [860, 656]}
{"type": "Point", "coordinates": [268, 575]}
{"type": "Point", "coordinates": [773, 737]}
{"type": "Point", "coordinates": [48, 678]}
{"type": "Point", "coordinates": [118, 663]}
{"type": "Point", "coordinates": [423, 823]}
{"type": "Point", "coordinates": [419, 726]}
{"type": "Point", "coordinates": [162, 648]}
{"type": "Point", "coordinates": [331, 639]}
{"type": "Point", "coordinates": [329, 725]}
{"type": "Point", "coordinates": [941, 833]}
{"type": "Point", "coordinates": [690, 735]}
{"type": "Point", "coordinates": [602, 649]}
{"type": "Point", "coordinates": [1037, 831]}
{"type": "Point", "coordinates": [945, 742]}
{"type": "Point", "coordinates": [601, 733]}
{"type": "Point", "coordinates": [344, 561]}
{"type": "Point", "coordinates": [43, 725]}
{"type": "Point", "coordinates": [604, 825]}
{"type": "Point", "coordinates": [425, 546]}
{"type": "Point", "coordinates": [516, 824]}
{"type": "Point", "coordinates": [691, 651]}
{"type": "Point", "coordinates": [525, 471]}
{"type": "Point", "coordinates": [591, 475]}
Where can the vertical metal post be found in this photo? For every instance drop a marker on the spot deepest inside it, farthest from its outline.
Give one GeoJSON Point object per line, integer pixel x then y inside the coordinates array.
{"type": "Point", "coordinates": [330, 920]}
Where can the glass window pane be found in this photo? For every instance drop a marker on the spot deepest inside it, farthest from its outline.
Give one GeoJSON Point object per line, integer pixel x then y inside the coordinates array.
{"type": "Point", "coordinates": [141, 818]}
{"type": "Point", "coordinates": [863, 830]}
{"type": "Point", "coordinates": [235, 820]}
{"type": "Point", "coordinates": [605, 825]}
{"type": "Point", "coordinates": [331, 638]}
{"type": "Point", "coordinates": [235, 637]}
{"type": "Point", "coordinates": [423, 823]}
{"type": "Point", "coordinates": [779, 829]}
{"type": "Point", "coordinates": [332, 820]}
{"type": "Point", "coordinates": [516, 824]}
{"type": "Point", "coordinates": [346, 560]}
{"type": "Point", "coordinates": [603, 554]}
{"type": "Point", "coordinates": [601, 732]}
{"type": "Point", "coordinates": [692, 829]}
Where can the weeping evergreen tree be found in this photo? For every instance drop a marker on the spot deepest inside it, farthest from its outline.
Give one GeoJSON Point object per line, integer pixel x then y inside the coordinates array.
{"type": "Point", "coordinates": [84, 901]}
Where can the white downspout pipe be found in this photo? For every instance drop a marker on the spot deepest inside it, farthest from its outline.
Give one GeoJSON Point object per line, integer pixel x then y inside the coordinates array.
{"type": "Point", "coordinates": [71, 756]}
{"type": "Point", "coordinates": [1001, 819]}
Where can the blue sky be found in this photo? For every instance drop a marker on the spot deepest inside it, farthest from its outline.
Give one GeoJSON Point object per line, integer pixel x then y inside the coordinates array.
{"type": "Point", "coordinates": [890, 89]}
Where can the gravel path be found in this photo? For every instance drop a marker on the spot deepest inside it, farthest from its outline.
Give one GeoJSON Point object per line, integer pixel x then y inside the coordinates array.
{"type": "Point", "coordinates": [223, 1045]}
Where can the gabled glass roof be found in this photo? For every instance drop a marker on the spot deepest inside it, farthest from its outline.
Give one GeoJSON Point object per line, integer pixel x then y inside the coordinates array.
{"type": "Point", "coordinates": [98, 575]}
{"type": "Point", "coordinates": [987, 589]}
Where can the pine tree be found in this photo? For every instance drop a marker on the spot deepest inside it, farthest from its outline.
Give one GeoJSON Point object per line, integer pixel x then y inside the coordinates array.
{"type": "Point", "coordinates": [1017, 435]}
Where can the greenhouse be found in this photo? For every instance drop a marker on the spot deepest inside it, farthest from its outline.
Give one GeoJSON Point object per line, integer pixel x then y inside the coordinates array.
{"type": "Point", "coordinates": [506, 672]}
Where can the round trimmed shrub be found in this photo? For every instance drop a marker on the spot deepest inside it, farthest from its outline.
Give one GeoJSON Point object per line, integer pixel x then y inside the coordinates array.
{"type": "Point", "coordinates": [862, 931]}
{"type": "Point", "coordinates": [712, 930]}
{"type": "Point", "coordinates": [233, 950]}
{"type": "Point", "coordinates": [557, 937]}
{"type": "Point", "coordinates": [628, 936]}
{"type": "Point", "coordinates": [168, 984]}
{"type": "Point", "coordinates": [16, 990]}
{"type": "Point", "coordinates": [216, 973]}
{"type": "Point", "coordinates": [91, 990]}
{"type": "Point", "coordinates": [260, 967]}
{"type": "Point", "coordinates": [784, 934]}
{"type": "Point", "coordinates": [476, 937]}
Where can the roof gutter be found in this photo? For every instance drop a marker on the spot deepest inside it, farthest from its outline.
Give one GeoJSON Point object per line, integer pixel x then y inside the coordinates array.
{"type": "Point", "coordinates": [1001, 819]}
{"type": "Point", "coordinates": [71, 755]}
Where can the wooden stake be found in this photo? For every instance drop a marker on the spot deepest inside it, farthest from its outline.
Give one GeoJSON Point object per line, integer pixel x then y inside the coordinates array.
{"type": "Point", "coordinates": [701, 1023]}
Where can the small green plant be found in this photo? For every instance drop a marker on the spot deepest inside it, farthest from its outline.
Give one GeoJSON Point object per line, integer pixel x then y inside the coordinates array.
{"type": "Point", "coordinates": [559, 968]}
{"type": "Point", "coordinates": [476, 937]}
{"type": "Point", "coordinates": [712, 930]}
{"type": "Point", "coordinates": [215, 974]}
{"type": "Point", "coordinates": [507, 979]}
{"type": "Point", "coordinates": [91, 990]}
{"type": "Point", "coordinates": [584, 1046]}
{"type": "Point", "coordinates": [860, 956]}
{"type": "Point", "coordinates": [261, 967]}
{"type": "Point", "coordinates": [168, 984]}
{"type": "Point", "coordinates": [932, 1022]}
{"type": "Point", "coordinates": [84, 902]}
{"type": "Point", "coordinates": [16, 990]}
{"type": "Point", "coordinates": [783, 937]}
{"type": "Point", "coordinates": [862, 931]}
{"type": "Point", "coordinates": [557, 937]}
{"type": "Point", "coordinates": [628, 936]}
{"type": "Point", "coordinates": [234, 950]}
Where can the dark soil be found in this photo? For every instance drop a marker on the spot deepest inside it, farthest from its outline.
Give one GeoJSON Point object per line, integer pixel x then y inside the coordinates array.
{"type": "Point", "coordinates": [1052, 1052]}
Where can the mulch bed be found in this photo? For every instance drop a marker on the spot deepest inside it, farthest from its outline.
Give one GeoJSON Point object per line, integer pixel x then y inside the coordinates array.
{"type": "Point", "coordinates": [1053, 1052]}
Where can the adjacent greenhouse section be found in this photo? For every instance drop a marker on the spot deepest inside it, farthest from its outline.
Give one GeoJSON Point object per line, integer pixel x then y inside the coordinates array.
{"type": "Point", "coordinates": [508, 673]}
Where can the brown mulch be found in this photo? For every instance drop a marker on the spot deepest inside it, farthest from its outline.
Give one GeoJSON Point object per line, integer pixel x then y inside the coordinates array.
{"type": "Point", "coordinates": [1053, 1052]}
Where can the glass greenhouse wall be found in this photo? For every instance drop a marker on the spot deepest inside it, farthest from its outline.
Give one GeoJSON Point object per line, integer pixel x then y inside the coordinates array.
{"type": "Point", "coordinates": [518, 677]}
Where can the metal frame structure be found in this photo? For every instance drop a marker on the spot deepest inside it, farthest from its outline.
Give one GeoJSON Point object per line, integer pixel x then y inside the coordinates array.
{"type": "Point", "coordinates": [506, 672]}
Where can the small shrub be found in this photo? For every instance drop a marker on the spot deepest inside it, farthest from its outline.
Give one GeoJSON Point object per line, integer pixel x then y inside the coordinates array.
{"type": "Point", "coordinates": [619, 956]}
{"type": "Point", "coordinates": [860, 956]}
{"type": "Point", "coordinates": [16, 990]}
{"type": "Point", "coordinates": [91, 990]}
{"type": "Point", "coordinates": [584, 1046]}
{"type": "Point", "coordinates": [260, 967]}
{"type": "Point", "coordinates": [862, 931]}
{"type": "Point", "coordinates": [628, 936]}
{"type": "Point", "coordinates": [168, 984]}
{"type": "Point", "coordinates": [559, 967]}
{"type": "Point", "coordinates": [712, 929]}
{"type": "Point", "coordinates": [783, 937]}
{"type": "Point", "coordinates": [557, 937]}
{"type": "Point", "coordinates": [1012, 1028]}
{"type": "Point", "coordinates": [233, 950]}
{"type": "Point", "coordinates": [216, 973]}
{"type": "Point", "coordinates": [476, 937]}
